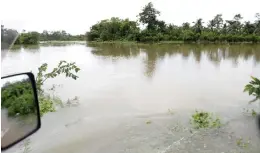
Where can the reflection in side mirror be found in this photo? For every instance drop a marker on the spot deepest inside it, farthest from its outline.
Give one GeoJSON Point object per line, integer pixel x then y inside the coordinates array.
{"type": "Point", "coordinates": [20, 116]}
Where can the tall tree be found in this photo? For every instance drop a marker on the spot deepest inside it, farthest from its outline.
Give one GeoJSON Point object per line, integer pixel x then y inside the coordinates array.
{"type": "Point", "coordinates": [235, 26]}
{"type": "Point", "coordinates": [186, 26]}
{"type": "Point", "coordinates": [149, 16]}
{"type": "Point", "coordinates": [198, 26]}
{"type": "Point", "coordinates": [218, 20]}
{"type": "Point", "coordinates": [257, 24]}
{"type": "Point", "coordinates": [216, 23]}
{"type": "Point", "coordinates": [248, 28]}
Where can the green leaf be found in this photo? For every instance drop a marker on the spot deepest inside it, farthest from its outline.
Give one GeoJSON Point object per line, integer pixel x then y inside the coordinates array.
{"type": "Point", "coordinates": [256, 80]}
{"type": "Point", "coordinates": [250, 91]}
{"type": "Point", "coordinates": [77, 69]}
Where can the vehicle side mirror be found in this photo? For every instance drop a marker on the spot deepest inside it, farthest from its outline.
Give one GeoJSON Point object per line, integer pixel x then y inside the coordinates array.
{"type": "Point", "coordinates": [20, 115]}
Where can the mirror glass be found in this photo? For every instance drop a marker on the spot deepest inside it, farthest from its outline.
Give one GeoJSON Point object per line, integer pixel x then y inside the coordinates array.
{"type": "Point", "coordinates": [18, 109]}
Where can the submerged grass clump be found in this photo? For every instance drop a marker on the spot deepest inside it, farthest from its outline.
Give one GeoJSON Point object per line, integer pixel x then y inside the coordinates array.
{"type": "Point", "coordinates": [148, 122]}
{"type": "Point", "coordinates": [242, 143]}
{"type": "Point", "coordinates": [203, 119]}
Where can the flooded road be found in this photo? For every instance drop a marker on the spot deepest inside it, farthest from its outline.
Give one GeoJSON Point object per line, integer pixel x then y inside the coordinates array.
{"type": "Point", "coordinates": [140, 98]}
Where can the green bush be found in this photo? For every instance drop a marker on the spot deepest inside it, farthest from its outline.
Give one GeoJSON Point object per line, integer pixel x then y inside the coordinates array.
{"type": "Point", "coordinates": [29, 38]}
{"type": "Point", "coordinates": [18, 98]}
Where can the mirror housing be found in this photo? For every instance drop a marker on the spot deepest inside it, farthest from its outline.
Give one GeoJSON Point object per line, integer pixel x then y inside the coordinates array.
{"type": "Point", "coordinates": [20, 113]}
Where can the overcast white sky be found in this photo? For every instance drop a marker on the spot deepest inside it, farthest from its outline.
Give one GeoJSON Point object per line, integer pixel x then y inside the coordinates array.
{"type": "Point", "coordinates": [76, 16]}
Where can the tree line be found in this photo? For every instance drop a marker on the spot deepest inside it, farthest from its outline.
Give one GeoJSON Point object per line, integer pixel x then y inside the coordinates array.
{"type": "Point", "coordinates": [11, 36]}
{"type": "Point", "coordinates": [8, 36]}
{"type": "Point", "coordinates": [216, 30]}
{"type": "Point", "coordinates": [61, 35]}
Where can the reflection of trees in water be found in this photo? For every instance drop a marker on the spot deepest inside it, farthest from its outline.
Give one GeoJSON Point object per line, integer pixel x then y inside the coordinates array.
{"type": "Point", "coordinates": [150, 62]}
{"type": "Point", "coordinates": [197, 54]}
{"type": "Point", "coordinates": [214, 53]}
{"type": "Point", "coordinates": [116, 52]}
{"type": "Point", "coordinates": [31, 47]}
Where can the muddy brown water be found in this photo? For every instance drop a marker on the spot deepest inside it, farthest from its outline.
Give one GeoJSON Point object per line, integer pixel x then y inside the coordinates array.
{"type": "Point", "coordinates": [139, 98]}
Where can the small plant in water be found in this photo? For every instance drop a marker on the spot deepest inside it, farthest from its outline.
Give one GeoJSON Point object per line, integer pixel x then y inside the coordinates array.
{"type": "Point", "coordinates": [253, 112]}
{"type": "Point", "coordinates": [253, 88]}
{"type": "Point", "coordinates": [47, 103]}
{"type": "Point", "coordinates": [148, 122]}
{"type": "Point", "coordinates": [241, 143]}
{"type": "Point", "coordinates": [202, 119]}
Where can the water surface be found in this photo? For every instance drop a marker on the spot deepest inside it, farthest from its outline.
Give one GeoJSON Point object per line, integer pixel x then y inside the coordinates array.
{"type": "Point", "coordinates": [121, 87]}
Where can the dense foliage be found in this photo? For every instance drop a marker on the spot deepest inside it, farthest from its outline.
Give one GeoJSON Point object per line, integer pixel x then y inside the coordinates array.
{"type": "Point", "coordinates": [18, 97]}
{"type": "Point", "coordinates": [216, 30]}
{"type": "Point", "coordinates": [60, 36]}
{"type": "Point", "coordinates": [29, 38]}
{"type": "Point", "coordinates": [113, 29]}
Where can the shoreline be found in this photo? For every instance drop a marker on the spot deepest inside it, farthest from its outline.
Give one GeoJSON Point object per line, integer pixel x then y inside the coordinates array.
{"type": "Point", "coordinates": [126, 43]}
{"type": "Point", "coordinates": [164, 42]}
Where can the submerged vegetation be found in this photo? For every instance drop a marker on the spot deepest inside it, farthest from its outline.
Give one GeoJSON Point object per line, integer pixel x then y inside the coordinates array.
{"type": "Point", "coordinates": [202, 119]}
{"type": "Point", "coordinates": [18, 98]}
{"type": "Point", "coordinates": [216, 30]}
{"type": "Point", "coordinates": [46, 102]}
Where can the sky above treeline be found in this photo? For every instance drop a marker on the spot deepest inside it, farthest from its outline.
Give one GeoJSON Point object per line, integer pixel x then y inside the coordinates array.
{"type": "Point", "coordinates": [77, 16]}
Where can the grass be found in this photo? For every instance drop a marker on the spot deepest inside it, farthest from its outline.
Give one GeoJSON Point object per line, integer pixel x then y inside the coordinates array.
{"type": "Point", "coordinates": [203, 119]}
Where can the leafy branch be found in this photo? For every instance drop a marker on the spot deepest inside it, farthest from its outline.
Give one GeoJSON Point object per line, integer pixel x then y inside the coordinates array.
{"type": "Point", "coordinates": [69, 69]}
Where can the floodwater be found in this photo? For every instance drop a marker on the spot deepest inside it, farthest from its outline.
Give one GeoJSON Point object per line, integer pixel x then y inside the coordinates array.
{"type": "Point", "coordinates": [139, 99]}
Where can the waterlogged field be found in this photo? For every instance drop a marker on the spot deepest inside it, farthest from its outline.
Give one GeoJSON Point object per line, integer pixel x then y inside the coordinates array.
{"type": "Point", "coordinates": [141, 98]}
